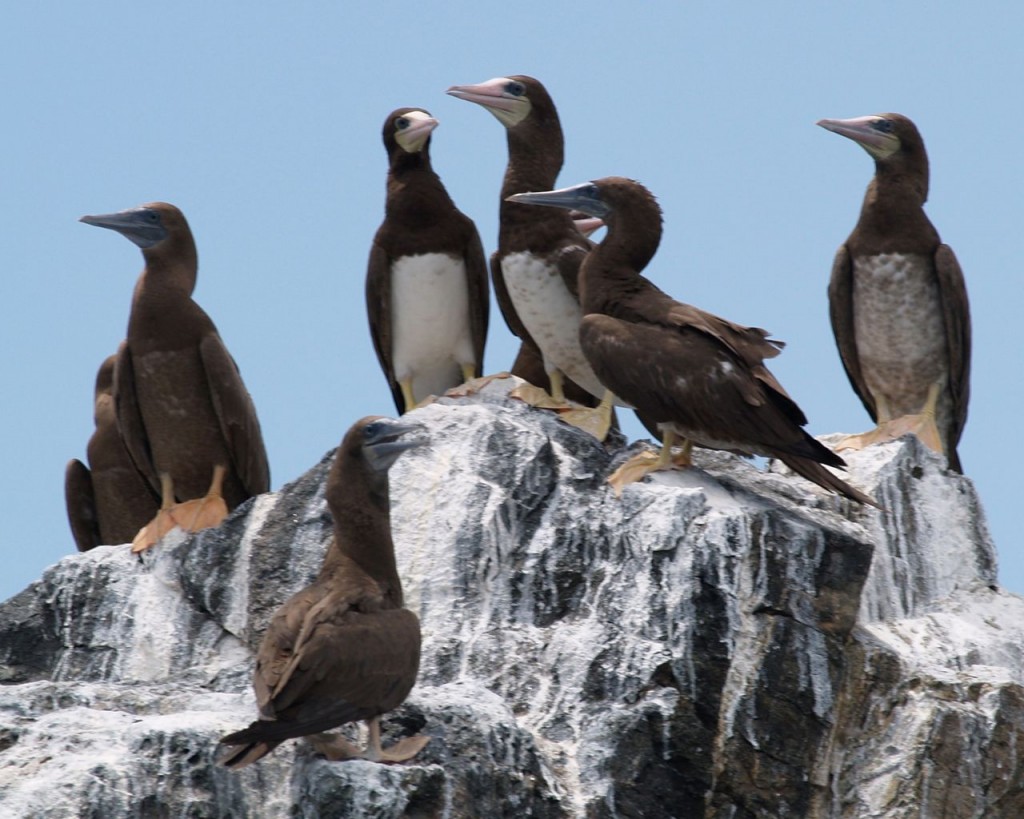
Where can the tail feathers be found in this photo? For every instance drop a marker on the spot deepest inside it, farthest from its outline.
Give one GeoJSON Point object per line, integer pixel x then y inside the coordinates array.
{"type": "Point", "coordinates": [235, 756]}
{"type": "Point", "coordinates": [816, 473]}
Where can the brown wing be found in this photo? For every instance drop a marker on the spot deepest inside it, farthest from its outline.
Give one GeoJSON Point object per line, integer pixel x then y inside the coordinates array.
{"type": "Point", "coordinates": [956, 315]}
{"type": "Point", "coordinates": [840, 310]}
{"type": "Point", "coordinates": [479, 294]}
{"type": "Point", "coordinates": [129, 418]}
{"type": "Point", "coordinates": [649, 304]}
{"type": "Point", "coordinates": [322, 663]}
{"type": "Point", "coordinates": [236, 415]}
{"type": "Point", "coordinates": [81, 504]}
{"type": "Point", "coordinates": [689, 377]}
{"type": "Point", "coordinates": [378, 311]}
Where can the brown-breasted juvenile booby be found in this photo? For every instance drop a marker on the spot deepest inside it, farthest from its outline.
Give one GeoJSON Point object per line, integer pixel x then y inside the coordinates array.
{"type": "Point", "coordinates": [427, 294]}
{"type": "Point", "coordinates": [182, 409]}
{"type": "Point", "coordinates": [697, 376]}
{"type": "Point", "coordinates": [110, 500]}
{"type": "Point", "coordinates": [537, 261]}
{"type": "Point", "coordinates": [343, 648]}
{"type": "Point", "coordinates": [897, 298]}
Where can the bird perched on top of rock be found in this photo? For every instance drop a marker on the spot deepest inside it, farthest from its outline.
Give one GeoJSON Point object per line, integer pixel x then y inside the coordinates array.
{"type": "Point", "coordinates": [699, 377]}
{"type": "Point", "coordinates": [427, 295]}
{"type": "Point", "coordinates": [537, 261]}
{"type": "Point", "coordinates": [343, 648]}
{"type": "Point", "coordinates": [897, 298]}
{"type": "Point", "coordinates": [184, 414]}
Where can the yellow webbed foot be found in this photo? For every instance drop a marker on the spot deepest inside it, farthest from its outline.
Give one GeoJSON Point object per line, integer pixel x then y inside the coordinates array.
{"type": "Point", "coordinates": [641, 465]}
{"type": "Point", "coordinates": [334, 746]}
{"type": "Point", "coordinates": [404, 749]}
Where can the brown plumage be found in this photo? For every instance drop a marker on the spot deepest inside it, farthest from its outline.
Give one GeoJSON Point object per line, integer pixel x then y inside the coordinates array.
{"type": "Point", "coordinates": [110, 500]}
{"type": "Point", "coordinates": [897, 298]}
{"type": "Point", "coordinates": [343, 648]}
{"type": "Point", "coordinates": [182, 408]}
{"type": "Point", "coordinates": [695, 375]}
{"type": "Point", "coordinates": [427, 294]}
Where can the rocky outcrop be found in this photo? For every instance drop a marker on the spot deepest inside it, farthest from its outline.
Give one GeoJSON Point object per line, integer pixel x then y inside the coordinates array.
{"type": "Point", "coordinates": [722, 642]}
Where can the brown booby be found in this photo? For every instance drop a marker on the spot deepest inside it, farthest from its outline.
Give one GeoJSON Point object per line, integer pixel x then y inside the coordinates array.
{"type": "Point", "coordinates": [699, 377]}
{"type": "Point", "coordinates": [343, 648]}
{"type": "Point", "coordinates": [109, 500]}
{"type": "Point", "coordinates": [427, 294]}
{"type": "Point", "coordinates": [182, 409]}
{"type": "Point", "coordinates": [897, 298]}
{"type": "Point", "coordinates": [537, 261]}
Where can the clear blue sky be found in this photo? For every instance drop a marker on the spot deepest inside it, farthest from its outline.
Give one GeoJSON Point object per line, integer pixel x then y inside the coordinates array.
{"type": "Point", "coordinates": [262, 122]}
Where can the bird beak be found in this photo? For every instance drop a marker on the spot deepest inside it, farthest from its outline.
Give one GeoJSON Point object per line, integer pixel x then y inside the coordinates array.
{"type": "Point", "coordinates": [585, 198]}
{"type": "Point", "coordinates": [860, 129]}
{"type": "Point", "coordinates": [413, 138]}
{"type": "Point", "coordinates": [136, 224]}
{"type": "Point", "coordinates": [492, 95]}
{"type": "Point", "coordinates": [382, 445]}
{"type": "Point", "coordinates": [586, 224]}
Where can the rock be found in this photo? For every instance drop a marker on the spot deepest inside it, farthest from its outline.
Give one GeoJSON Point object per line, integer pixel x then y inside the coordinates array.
{"type": "Point", "coordinates": [722, 642]}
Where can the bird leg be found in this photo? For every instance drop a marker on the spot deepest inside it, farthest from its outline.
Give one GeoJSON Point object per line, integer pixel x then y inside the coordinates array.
{"type": "Point", "coordinates": [646, 462]}
{"type": "Point", "coordinates": [207, 511]}
{"type": "Point", "coordinates": [407, 396]}
{"type": "Point", "coordinates": [595, 420]}
{"type": "Point", "coordinates": [921, 424]}
{"type": "Point", "coordinates": [336, 748]}
{"type": "Point", "coordinates": [151, 534]}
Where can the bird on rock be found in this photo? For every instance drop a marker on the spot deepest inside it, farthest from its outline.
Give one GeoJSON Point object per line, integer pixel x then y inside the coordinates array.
{"type": "Point", "coordinates": [897, 298]}
{"type": "Point", "coordinates": [343, 648]}
{"type": "Point", "coordinates": [699, 377]}
{"type": "Point", "coordinates": [427, 294]}
{"type": "Point", "coordinates": [537, 261]}
{"type": "Point", "coordinates": [183, 412]}
{"type": "Point", "coordinates": [109, 500]}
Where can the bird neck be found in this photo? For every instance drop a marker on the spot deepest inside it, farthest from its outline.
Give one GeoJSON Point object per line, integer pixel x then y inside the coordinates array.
{"type": "Point", "coordinates": [611, 273]}
{"type": "Point", "coordinates": [362, 535]}
{"type": "Point", "coordinates": [415, 194]}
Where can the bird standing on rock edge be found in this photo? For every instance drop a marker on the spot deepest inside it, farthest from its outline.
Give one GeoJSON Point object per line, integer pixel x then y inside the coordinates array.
{"type": "Point", "coordinates": [427, 295]}
{"type": "Point", "coordinates": [897, 298]}
{"type": "Point", "coordinates": [701, 378]}
{"type": "Point", "coordinates": [184, 414]}
{"type": "Point", "coordinates": [343, 648]}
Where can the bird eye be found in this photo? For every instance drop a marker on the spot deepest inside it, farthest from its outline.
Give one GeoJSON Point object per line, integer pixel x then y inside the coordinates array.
{"type": "Point", "coordinates": [401, 123]}
{"type": "Point", "coordinates": [371, 430]}
{"type": "Point", "coordinates": [883, 125]}
{"type": "Point", "coordinates": [152, 216]}
{"type": "Point", "coordinates": [516, 89]}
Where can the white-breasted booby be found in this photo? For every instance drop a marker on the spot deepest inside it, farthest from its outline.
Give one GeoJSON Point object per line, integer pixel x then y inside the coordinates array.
{"type": "Point", "coordinates": [427, 295]}
{"type": "Point", "coordinates": [343, 648]}
{"type": "Point", "coordinates": [699, 377]}
{"type": "Point", "coordinates": [537, 261]}
{"type": "Point", "coordinates": [897, 298]}
{"type": "Point", "coordinates": [184, 414]}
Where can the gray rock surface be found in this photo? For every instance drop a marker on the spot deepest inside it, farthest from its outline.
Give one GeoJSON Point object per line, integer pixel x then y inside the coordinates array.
{"type": "Point", "coordinates": [721, 642]}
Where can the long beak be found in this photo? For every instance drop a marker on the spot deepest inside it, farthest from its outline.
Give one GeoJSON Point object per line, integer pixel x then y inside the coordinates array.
{"type": "Point", "coordinates": [489, 94]}
{"type": "Point", "coordinates": [860, 130]}
{"type": "Point", "coordinates": [383, 445]}
{"type": "Point", "coordinates": [134, 224]}
{"type": "Point", "coordinates": [584, 198]}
